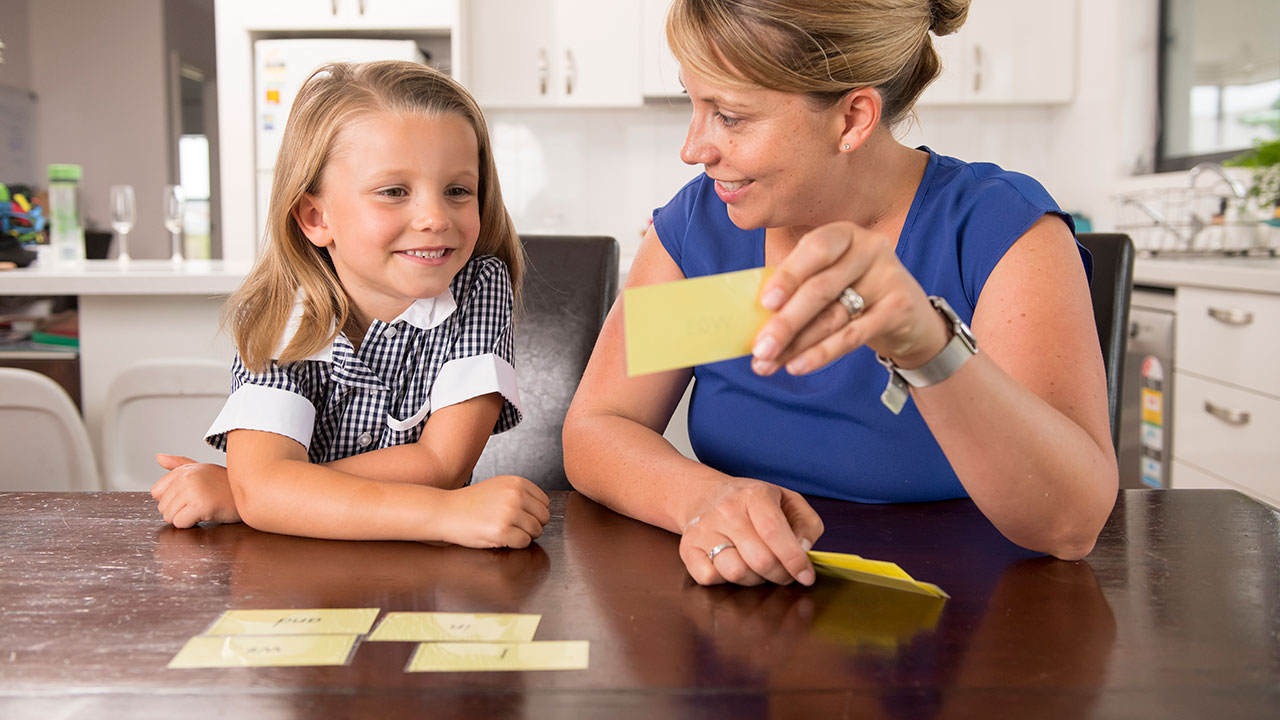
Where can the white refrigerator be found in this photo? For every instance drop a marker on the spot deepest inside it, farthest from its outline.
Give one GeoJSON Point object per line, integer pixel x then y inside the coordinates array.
{"type": "Point", "coordinates": [280, 68]}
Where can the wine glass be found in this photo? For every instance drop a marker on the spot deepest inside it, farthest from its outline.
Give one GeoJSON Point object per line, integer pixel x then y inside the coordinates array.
{"type": "Point", "coordinates": [124, 214]}
{"type": "Point", "coordinates": [175, 207]}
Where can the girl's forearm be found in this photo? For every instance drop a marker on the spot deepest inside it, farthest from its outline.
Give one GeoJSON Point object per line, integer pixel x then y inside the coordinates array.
{"type": "Point", "coordinates": [295, 497]}
{"type": "Point", "coordinates": [414, 464]}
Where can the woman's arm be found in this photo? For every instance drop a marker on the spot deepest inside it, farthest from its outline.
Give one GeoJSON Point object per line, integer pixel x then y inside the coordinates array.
{"type": "Point", "coordinates": [615, 453]}
{"type": "Point", "coordinates": [277, 490]}
{"type": "Point", "coordinates": [451, 443]}
{"type": "Point", "coordinates": [1024, 422]}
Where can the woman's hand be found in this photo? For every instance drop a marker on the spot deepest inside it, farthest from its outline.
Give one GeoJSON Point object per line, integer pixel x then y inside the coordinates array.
{"type": "Point", "coordinates": [811, 328]}
{"type": "Point", "coordinates": [193, 492]}
{"type": "Point", "coordinates": [503, 511]}
{"type": "Point", "coordinates": [762, 530]}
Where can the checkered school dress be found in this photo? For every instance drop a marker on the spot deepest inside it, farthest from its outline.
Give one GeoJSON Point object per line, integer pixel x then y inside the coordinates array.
{"type": "Point", "coordinates": [340, 402]}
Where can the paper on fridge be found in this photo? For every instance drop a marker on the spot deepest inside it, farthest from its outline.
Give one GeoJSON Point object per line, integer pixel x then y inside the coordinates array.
{"type": "Point", "coordinates": [693, 322]}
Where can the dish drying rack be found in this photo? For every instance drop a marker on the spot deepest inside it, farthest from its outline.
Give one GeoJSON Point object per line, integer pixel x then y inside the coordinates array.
{"type": "Point", "coordinates": [1210, 220]}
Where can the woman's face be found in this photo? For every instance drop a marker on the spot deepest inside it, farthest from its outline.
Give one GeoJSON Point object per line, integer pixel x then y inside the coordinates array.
{"type": "Point", "coordinates": [771, 154]}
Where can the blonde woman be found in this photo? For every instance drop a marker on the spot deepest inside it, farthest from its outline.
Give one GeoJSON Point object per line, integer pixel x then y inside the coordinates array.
{"type": "Point", "coordinates": [374, 335]}
{"type": "Point", "coordinates": [885, 256]}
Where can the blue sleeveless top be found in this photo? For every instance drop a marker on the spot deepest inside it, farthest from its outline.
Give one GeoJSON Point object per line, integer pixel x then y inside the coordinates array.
{"type": "Point", "coordinates": [826, 433]}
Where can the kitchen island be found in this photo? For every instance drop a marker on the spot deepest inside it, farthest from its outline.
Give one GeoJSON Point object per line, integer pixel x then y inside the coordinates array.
{"type": "Point", "coordinates": [133, 311]}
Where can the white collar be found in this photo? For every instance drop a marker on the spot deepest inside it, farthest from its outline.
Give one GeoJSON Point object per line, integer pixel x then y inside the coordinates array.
{"type": "Point", "coordinates": [424, 314]}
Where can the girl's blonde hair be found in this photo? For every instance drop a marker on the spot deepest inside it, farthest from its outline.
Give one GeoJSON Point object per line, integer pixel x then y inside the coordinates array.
{"type": "Point", "coordinates": [819, 48]}
{"type": "Point", "coordinates": [290, 266]}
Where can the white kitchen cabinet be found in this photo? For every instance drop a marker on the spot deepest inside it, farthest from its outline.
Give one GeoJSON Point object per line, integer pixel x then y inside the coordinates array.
{"type": "Point", "coordinates": [659, 71]}
{"type": "Point", "coordinates": [352, 14]}
{"type": "Point", "coordinates": [1009, 52]}
{"type": "Point", "coordinates": [1227, 393]}
{"type": "Point", "coordinates": [554, 53]}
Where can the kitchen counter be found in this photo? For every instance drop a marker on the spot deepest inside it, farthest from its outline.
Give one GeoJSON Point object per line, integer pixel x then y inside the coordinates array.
{"type": "Point", "coordinates": [1250, 274]}
{"type": "Point", "coordinates": [136, 277]}
{"type": "Point", "coordinates": [139, 310]}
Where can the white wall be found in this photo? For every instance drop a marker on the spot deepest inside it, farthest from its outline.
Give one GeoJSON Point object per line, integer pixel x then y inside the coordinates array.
{"type": "Point", "coordinates": [603, 171]}
{"type": "Point", "coordinates": [98, 69]}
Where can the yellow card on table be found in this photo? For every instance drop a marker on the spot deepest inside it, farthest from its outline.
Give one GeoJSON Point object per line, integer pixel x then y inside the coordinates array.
{"type": "Point", "coordinates": [208, 651]}
{"type": "Point", "coordinates": [463, 657]}
{"type": "Point", "coordinates": [458, 627]}
{"type": "Point", "coordinates": [875, 572]}
{"type": "Point", "coordinates": [692, 322]}
{"type": "Point", "coordinates": [325, 621]}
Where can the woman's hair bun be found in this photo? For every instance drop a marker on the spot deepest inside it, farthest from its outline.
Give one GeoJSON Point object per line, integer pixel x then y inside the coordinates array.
{"type": "Point", "coordinates": [948, 15]}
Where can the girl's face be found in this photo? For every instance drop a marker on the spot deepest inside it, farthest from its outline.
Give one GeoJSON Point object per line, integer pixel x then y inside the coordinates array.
{"type": "Point", "coordinates": [770, 153]}
{"type": "Point", "coordinates": [398, 208]}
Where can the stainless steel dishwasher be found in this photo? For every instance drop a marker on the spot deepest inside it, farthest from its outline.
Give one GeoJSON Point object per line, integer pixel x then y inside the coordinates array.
{"type": "Point", "coordinates": [1146, 408]}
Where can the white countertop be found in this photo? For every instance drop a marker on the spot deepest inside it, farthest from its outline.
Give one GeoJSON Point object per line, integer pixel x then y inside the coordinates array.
{"type": "Point", "coordinates": [135, 277]}
{"type": "Point", "coordinates": [1252, 274]}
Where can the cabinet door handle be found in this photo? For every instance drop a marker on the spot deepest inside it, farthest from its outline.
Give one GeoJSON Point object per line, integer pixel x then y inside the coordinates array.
{"type": "Point", "coordinates": [570, 72]}
{"type": "Point", "coordinates": [361, 7]}
{"type": "Point", "coordinates": [1231, 317]}
{"type": "Point", "coordinates": [977, 72]}
{"type": "Point", "coordinates": [543, 71]}
{"type": "Point", "coordinates": [1229, 416]}
{"type": "Point", "coordinates": [333, 7]}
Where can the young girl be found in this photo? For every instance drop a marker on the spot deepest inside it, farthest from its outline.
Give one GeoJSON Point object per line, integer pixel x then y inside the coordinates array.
{"type": "Point", "coordinates": [374, 334]}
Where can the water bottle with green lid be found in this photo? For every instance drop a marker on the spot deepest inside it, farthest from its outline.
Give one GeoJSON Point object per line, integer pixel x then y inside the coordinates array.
{"type": "Point", "coordinates": [66, 234]}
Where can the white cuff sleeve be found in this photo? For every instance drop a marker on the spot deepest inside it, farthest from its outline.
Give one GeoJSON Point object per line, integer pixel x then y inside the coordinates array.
{"type": "Point", "coordinates": [256, 407]}
{"type": "Point", "coordinates": [473, 376]}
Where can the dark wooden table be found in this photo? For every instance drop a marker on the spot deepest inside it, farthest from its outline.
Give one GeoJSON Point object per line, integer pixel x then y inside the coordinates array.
{"type": "Point", "coordinates": [1176, 614]}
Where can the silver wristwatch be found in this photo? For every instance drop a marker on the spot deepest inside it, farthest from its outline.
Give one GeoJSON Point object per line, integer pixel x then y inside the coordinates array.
{"type": "Point", "coordinates": [958, 349]}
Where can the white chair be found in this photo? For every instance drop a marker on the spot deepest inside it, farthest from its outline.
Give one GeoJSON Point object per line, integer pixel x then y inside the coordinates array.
{"type": "Point", "coordinates": [160, 405]}
{"type": "Point", "coordinates": [43, 441]}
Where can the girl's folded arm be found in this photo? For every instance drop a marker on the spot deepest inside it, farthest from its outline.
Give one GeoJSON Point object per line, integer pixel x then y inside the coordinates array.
{"type": "Point", "coordinates": [443, 457]}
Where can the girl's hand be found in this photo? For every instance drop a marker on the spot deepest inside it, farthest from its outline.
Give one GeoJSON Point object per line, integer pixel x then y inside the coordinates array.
{"type": "Point", "coordinates": [763, 531]}
{"type": "Point", "coordinates": [503, 511]}
{"type": "Point", "coordinates": [193, 492]}
{"type": "Point", "coordinates": [811, 328]}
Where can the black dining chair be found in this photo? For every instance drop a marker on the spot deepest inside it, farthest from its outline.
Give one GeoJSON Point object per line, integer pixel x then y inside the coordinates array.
{"type": "Point", "coordinates": [1111, 290]}
{"type": "Point", "coordinates": [570, 284]}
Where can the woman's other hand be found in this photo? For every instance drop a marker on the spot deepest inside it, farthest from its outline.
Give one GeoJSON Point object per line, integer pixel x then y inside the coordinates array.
{"type": "Point", "coordinates": [762, 532]}
{"type": "Point", "coordinates": [193, 492]}
{"type": "Point", "coordinates": [812, 328]}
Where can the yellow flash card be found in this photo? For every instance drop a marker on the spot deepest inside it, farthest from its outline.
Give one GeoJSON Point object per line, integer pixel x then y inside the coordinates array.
{"type": "Point", "coordinates": [326, 621]}
{"type": "Point", "coordinates": [205, 651]}
{"type": "Point", "coordinates": [458, 627]}
{"type": "Point", "coordinates": [464, 657]}
{"type": "Point", "coordinates": [875, 572]}
{"type": "Point", "coordinates": [692, 322]}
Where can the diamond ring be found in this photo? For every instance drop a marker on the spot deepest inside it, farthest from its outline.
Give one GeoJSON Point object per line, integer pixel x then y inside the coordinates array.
{"type": "Point", "coordinates": [852, 301]}
{"type": "Point", "coordinates": [713, 552]}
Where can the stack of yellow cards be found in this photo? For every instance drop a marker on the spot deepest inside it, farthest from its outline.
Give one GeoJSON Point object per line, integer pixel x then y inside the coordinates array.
{"type": "Point", "coordinates": [277, 638]}
{"type": "Point", "coordinates": [453, 642]}
{"type": "Point", "coordinates": [692, 322]}
{"type": "Point", "coordinates": [875, 572]}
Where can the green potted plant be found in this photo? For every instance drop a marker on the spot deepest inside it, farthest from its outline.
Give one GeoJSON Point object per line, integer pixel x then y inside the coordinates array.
{"type": "Point", "coordinates": [1264, 161]}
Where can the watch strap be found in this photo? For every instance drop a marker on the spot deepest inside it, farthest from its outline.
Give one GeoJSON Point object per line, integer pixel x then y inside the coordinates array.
{"type": "Point", "coordinates": [953, 355]}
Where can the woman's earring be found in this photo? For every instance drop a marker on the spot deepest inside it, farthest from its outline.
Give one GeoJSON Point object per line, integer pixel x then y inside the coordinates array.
{"type": "Point", "coordinates": [845, 146]}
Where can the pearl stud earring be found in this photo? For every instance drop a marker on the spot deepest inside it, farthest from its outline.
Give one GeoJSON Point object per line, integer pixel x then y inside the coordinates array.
{"type": "Point", "coordinates": [846, 147]}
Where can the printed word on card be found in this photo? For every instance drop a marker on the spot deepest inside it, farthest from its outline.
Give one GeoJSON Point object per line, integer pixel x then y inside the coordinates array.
{"type": "Point", "coordinates": [458, 627]}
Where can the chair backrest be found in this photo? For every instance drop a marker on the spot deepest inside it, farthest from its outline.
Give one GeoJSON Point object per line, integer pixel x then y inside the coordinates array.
{"type": "Point", "coordinates": [568, 289]}
{"type": "Point", "coordinates": [43, 441]}
{"type": "Point", "coordinates": [160, 405]}
{"type": "Point", "coordinates": [1112, 289]}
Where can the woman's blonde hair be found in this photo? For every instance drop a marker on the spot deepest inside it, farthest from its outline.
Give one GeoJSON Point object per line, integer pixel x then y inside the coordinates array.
{"type": "Point", "coordinates": [819, 48]}
{"type": "Point", "coordinates": [290, 267]}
